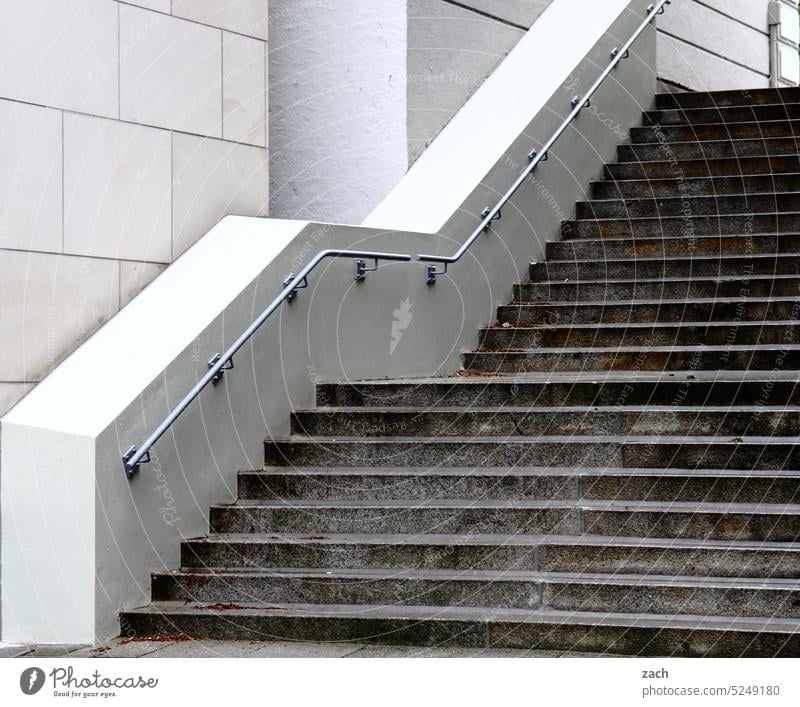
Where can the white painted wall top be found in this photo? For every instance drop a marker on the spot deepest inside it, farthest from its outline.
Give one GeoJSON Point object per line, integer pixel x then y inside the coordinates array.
{"type": "Point", "coordinates": [157, 326]}
{"type": "Point", "coordinates": [500, 108]}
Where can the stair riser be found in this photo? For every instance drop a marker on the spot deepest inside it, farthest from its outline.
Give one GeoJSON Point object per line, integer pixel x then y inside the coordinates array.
{"type": "Point", "coordinates": [671, 267]}
{"type": "Point", "coordinates": [515, 453]}
{"type": "Point", "coordinates": [621, 640]}
{"type": "Point", "coordinates": [717, 131]}
{"type": "Point", "coordinates": [412, 487]}
{"type": "Point", "coordinates": [358, 556]}
{"type": "Point", "coordinates": [707, 150]}
{"type": "Point", "coordinates": [596, 292]}
{"type": "Point", "coordinates": [685, 600]}
{"type": "Point", "coordinates": [708, 186]}
{"type": "Point", "coordinates": [466, 423]}
{"type": "Point", "coordinates": [679, 226]}
{"type": "Point", "coordinates": [719, 167]}
{"type": "Point", "coordinates": [602, 249]}
{"type": "Point", "coordinates": [643, 360]}
{"type": "Point", "coordinates": [741, 527]}
{"type": "Point", "coordinates": [651, 599]}
{"type": "Point", "coordinates": [658, 313]}
{"type": "Point", "coordinates": [687, 335]}
{"type": "Point", "coordinates": [705, 488]}
{"type": "Point", "coordinates": [500, 393]}
{"type": "Point", "coordinates": [691, 562]}
{"type": "Point", "coordinates": [732, 114]}
{"type": "Point", "coordinates": [687, 206]}
{"type": "Point", "coordinates": [720, 99]}
{"type": "Point", "coordinates": [319, 590]}
{"type": "Point", "coordinates": [394, 520]}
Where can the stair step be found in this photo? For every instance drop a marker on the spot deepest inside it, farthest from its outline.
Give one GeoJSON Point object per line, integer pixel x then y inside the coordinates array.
{"type": "Point", "coordinates": [631, 634]}
{"type": "Point", "coordinates": [362, 551]}
{"type": "Point", "coordinates": [656, 451]}
{"type": "Point", "coordinates": [640, 519]}
{"type": "Point", "coordinates": [649, 312]}
{"type": "Point", "coordinates": [719, 99]}
{"type": "Point", "coordinates": [637, 358]}
{"type": "Point", "coordinates": [723, 114]}
{"type": "Point", "coordinates": [625, 290]}
{"type": "Point", "coordinates": [509, 421]}
{"type": "Point", "coordinates": [691, 266]}
{"type": "Point", "coordinates": [681, 246]}
{"type": "Point", "coordinates": [684, 205]}
{"type": "Point", "coordinates": [708, 149]}
{"type": "Point", "coordinates": [687, 333]}
{"type": "Point", "coordinates": [730, 224]}
{"type": "Point", "coordinates": [594, 554]}
{"type": "Point", "coordinates": [714, 167]}
{"type": "Point", "coordinates": [520, 483]}
{"type": "Point", "coordinates": [765, 129]}
{"type": "Point", "coordinates": [557, 389]}
{"type": "Point", "coordinates": [706, 185]}
{"type": "Point", "coordinates": [670, 557]}
{"type": "Point", "coordinates": [565, 591]}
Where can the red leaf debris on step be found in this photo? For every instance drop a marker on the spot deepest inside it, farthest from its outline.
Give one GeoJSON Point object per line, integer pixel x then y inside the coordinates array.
{"type": "Point", "coordinates": [157, 638]}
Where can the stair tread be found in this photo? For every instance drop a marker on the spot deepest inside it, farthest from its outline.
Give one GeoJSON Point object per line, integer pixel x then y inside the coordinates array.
{"type": "Point", "coordinates": [481, 614]}
{"type": "Point", "coordinates": [583, 377]}
{"type": "Point", "coordinates": [498, 539]}
{"type": "Point", "coordinates": [650, 302]}
{"type": "Point", "coordinates": [670, 259]}
{"type": "Point", "coordinates": [683, 217]}
{"type": "Point", "coordinates": [599, 505]}
{"type": "Point", "coordinates": [502, 472]}
{"type": "Point", "coordinates": [495, 575]}
{"type": "Point", "coordinates": [642, 280]}
{"type": "Point", "coordinates": [630, 349]}
{"type": "Point", "coordinates": [603, 326]}
{"type": "Point", "coordinates": [716, 140]}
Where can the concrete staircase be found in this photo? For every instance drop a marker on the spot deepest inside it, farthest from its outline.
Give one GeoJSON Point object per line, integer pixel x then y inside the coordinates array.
{"type": "Point", "coordinates": [616, 469]}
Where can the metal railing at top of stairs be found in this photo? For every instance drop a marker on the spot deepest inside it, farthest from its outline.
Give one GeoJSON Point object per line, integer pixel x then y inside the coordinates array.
{"type": "Point", "coordinates": [134, 457]}
{"type": "Point", "coordinates": [535, 157]}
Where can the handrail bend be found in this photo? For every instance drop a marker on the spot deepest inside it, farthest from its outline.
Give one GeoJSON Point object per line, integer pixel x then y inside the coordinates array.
{"type": "Point", "coordinates": [535, 157]}
{"type": "Point", "coordinates": [135, 457]}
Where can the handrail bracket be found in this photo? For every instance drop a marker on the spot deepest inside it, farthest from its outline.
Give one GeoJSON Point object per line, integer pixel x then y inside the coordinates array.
{"type": "Point", "coordinates": [431, 273]}
{"type": "Point", "coordinates": [362, 269]}
{"type": "Point", "coordinates": [221, 372]}
{"type": "Point", "coordinates": [131, 469]}
{"type": "Point", "coordinates": [302, 285]}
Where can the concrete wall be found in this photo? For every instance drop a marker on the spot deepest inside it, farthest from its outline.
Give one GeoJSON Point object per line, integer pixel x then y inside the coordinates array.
{"type": "Point", "coordinates": [127, 129]}
{"type": "Point", "coordinates": [337, 106]}
{"type": "Point", "coordinates": [709, 45]}
{"type": "Point", "coordinates": [360, 89]}
{"type": "Point", "coordinates": [452, 48]}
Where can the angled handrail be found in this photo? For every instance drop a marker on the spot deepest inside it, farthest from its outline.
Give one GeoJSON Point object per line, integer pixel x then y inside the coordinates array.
{"type": "Point", "coordinates": [535, 157]}
{"type": "Point", "coordinates": [134, 457]}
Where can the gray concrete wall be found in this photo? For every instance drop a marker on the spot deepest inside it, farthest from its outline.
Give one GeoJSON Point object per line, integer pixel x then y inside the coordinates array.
{"type": "Point", "coordinates": [709, 45]}
{"type": "Point", "coordinates": [452, 49]}
{"type": "Point", "coordinates": [360, 89]}
{"type": "Point", "coordinates": [127, 129]}
{"type": "Point", "coordinates": [337, 106]}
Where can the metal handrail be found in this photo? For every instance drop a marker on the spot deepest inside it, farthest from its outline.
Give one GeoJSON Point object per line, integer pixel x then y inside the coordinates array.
{"type": "Point", "coordinates": [535, 157]}
{"type": "Point", "coordinates": [135, 457]}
